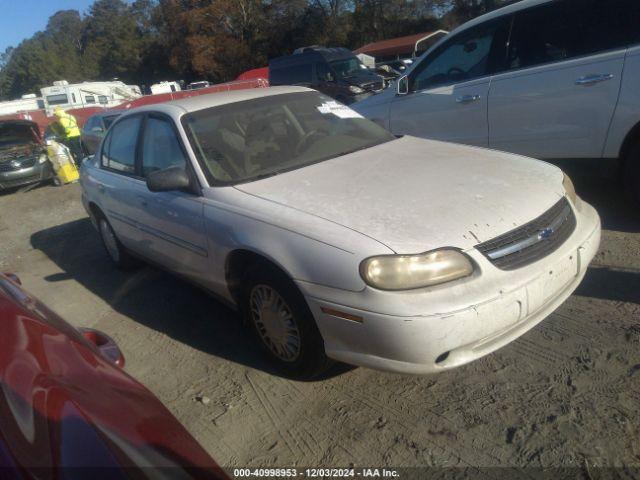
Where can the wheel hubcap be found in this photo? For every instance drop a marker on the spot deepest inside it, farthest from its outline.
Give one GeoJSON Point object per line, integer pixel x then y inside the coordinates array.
{"type": "Point", "coordinates": [275, 323]}
{"type": "Point", "coordinates": [109, 240]}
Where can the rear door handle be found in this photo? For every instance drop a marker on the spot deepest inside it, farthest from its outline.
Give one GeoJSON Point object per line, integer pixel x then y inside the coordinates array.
{"type": "Point", "coordinates": [593, 79]}
{"type": "Point", "coordinates": [468, 98]}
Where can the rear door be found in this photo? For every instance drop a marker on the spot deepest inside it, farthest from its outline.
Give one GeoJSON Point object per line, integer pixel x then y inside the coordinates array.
{"type": "Point", "coordinates": [171, 222]}
{"type": "Point", "coordinates": [448, 90]}
{"type": "Point", "coordinates": [90, 139]}
{"type": "Point", "coordinates": [562, 79]}
{"type": "Point", "coordinates": [117, 180]}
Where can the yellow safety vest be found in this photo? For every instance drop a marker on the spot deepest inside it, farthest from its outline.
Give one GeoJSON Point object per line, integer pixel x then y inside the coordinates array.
{"type": "Point", "coordinates": [70, 126]}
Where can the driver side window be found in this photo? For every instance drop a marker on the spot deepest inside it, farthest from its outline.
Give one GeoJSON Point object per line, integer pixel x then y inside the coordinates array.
{"type": "Point", "coordinates": [472, 54]}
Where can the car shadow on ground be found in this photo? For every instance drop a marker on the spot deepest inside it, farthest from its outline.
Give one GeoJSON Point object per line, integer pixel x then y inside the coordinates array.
{"type": "Point", "coordinates": [606, 194]}
{"type": "Point", "coordinates": [152, 297]}
{"type": "Point", "coordinates": [618, 214]}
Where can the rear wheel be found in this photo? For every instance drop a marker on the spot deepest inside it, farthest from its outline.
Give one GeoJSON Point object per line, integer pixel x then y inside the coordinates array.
{"type": "Point", "coordinates": [282, 323]}
{"type": "Point", "coordinates": [116, 251]}
{"type": "Point", "coordinates": [632, 173]}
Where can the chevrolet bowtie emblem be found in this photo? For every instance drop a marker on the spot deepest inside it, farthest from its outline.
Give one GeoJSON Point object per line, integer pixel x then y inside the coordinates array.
{"type": "Point", "coordinates": [545, 234]}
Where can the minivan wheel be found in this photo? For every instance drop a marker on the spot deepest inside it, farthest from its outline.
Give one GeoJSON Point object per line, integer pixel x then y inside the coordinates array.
{"type": "Point", "coordinates": [116, 251]}
{"type": "Point", "coordinates": [632, 174]}
{"type": "Point", "coordinates": [282, 323]}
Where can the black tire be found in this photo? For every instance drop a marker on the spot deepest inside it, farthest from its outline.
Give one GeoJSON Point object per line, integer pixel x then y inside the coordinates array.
{"type": "Point", "coordinates": [309, 360]}
{"type": "Point", "coordinates": [632, 174]}
{"type": "Point", "coordinates": [118, 254]}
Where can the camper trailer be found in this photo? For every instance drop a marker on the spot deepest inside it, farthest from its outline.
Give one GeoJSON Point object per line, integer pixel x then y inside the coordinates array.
{"type": "Point", "coordinates": [26, 103]}
{"type": "Point", "coordinates": [87, 94]}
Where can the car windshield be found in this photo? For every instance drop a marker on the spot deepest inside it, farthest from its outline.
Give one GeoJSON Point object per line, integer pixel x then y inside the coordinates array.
{"type": "Point", "coordinates": [253, 139]}
{"type": "Point", "coordinates": [347, 67]}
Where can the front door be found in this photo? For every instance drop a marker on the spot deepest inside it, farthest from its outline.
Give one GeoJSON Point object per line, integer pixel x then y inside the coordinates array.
{"type": "Point", "coordinates": [448, 89]}
{"type": "Point", "coordinates": [171, 223]}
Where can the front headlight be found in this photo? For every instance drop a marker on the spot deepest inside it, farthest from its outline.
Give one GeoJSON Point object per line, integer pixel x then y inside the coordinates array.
{"type": "Point", "coordinates": [408, 272]}
{"type": "Point", "coordinates": [355, 89]}
{"type": "Point", "coordinates": [570, 191]}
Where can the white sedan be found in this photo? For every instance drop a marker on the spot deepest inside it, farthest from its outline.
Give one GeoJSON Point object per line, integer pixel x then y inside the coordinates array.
{"type": "Point", "coordinates": [335, 239]}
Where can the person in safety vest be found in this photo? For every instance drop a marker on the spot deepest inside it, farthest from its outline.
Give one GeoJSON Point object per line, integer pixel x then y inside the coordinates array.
{"type": "Point", "coordinates": [66, 127]}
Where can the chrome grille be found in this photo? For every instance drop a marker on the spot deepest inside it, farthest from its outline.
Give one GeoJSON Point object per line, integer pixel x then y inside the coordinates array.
{"type": "Point", "coordinates": [533, 241]}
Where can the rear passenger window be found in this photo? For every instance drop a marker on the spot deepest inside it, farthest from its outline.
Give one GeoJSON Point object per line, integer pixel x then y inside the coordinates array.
{"type": "Point", "coordinates": [606, 25]}
{"type": "Point", "coordinates": [120, 152]}
{"type": "Point", "coordinates": [567, 29]}
{"type": "Point", "coordinates": [160, 147]}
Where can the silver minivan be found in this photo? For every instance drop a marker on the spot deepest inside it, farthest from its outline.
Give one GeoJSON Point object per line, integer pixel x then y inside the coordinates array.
{"type": "Point", "coordinates": [550, 79]}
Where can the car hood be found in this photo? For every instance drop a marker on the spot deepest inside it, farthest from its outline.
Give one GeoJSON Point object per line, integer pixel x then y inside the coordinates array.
{"type": "Point", "coordinates": [415, 195]}
{"type": "Point", "coordinates": [363, 77]}
{"type": "Point", "coordinates": [18, 138]}
{"type": "Point", "coordinates": [23, 129]}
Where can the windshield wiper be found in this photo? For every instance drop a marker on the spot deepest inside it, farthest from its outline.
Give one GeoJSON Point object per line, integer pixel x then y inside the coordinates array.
{"type": "Point", "coordinates": [264, 175]}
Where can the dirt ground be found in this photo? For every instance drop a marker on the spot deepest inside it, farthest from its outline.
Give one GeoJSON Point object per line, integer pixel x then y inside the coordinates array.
{"type": "Point", "coordinates": [567, 394]}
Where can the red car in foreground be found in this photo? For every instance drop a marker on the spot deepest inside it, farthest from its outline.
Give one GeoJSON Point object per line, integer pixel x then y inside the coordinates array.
{"type": "Point", "coordinates": [68, 410]}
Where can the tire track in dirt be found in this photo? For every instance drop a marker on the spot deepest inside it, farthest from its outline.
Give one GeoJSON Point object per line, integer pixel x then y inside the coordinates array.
{"type": "Point", "coordinates": [275, 419]}
{"type": "Point", "coordinates": [398, 417]}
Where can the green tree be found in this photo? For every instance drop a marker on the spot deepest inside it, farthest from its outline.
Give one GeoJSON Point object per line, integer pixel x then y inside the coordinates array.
{"type": "Point", "coordinates": [112, 42]}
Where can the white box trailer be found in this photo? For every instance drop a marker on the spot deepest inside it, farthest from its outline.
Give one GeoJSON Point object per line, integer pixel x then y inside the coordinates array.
{"type": "Point", "coordinates": [87, 94]}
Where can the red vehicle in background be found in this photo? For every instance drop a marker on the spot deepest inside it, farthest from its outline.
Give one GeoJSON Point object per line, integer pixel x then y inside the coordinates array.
{"type": "Point", "coordinates": [68, 410]}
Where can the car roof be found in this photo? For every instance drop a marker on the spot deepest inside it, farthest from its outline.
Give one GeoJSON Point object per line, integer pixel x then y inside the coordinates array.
{"type": "Point", "coordinates": [179, 107]}
{"type": "Point", "coordinates": [506, 10]}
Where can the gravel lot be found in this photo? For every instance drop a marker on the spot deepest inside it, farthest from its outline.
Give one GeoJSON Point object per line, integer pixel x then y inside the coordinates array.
{"type": "Point", "coordinates": [565, 394]}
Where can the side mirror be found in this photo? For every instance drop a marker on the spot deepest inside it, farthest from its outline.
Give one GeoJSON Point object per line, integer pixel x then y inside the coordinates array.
{"type": "Point", "coordinates": [168, 180]}
{"type": "Point", "coordinates": [105, 345]}
{"type": "Point", "coordinates": [403, 85]}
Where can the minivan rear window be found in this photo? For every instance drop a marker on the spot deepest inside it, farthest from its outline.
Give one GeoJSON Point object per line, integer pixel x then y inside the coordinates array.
{"type": "Point", "coordinates": [559, 31]}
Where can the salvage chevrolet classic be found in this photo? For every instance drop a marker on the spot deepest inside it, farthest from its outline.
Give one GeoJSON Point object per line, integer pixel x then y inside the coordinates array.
{"type": "Point", "coordinates": [335, 239]}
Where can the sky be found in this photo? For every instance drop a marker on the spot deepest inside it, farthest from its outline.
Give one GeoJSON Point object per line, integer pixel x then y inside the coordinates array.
{"type": "Point", "coordinates": [22, 18]}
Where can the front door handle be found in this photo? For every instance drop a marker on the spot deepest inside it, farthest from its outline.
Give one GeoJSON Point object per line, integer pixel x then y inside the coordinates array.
{"type": "Point", "coordinates": [468, 99]}
{"type": "Point", "coordinates": [593, 79]}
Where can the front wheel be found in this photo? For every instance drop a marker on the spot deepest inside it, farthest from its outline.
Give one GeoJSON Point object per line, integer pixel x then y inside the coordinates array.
{"type": "Point", "coordinates": [281, 321]}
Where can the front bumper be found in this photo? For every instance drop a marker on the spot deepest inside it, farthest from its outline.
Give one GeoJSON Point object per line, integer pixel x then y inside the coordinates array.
{"type": "Point", "coordinates": [25, 176]}
{"type": "Point", "coordinates": [432, 330]}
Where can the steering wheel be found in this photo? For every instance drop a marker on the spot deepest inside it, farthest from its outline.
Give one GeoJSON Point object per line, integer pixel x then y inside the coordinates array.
{"type": "Point", "coordinates": [455, 70]}
{"type": "Point", "coordinates": [304, 139]}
